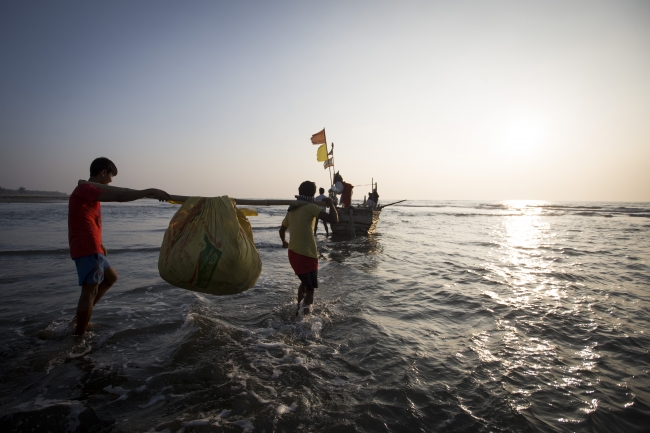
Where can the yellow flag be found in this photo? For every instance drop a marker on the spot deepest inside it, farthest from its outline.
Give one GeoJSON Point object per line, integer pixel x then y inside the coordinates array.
{"type": "Point", "coordinates": [321, 153]}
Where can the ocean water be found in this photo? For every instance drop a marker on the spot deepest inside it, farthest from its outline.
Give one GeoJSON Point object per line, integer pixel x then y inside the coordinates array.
{"type": "Point", "coordinates": [454, 317]}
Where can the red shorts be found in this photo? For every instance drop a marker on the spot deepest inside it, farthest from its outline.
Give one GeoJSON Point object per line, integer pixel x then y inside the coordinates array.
{"type": "Point", "coordinates": [302, 264]}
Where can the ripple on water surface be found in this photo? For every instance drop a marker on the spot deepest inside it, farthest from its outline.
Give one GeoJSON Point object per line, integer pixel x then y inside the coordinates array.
{"type": "Point", "coordinates": [520, 317]}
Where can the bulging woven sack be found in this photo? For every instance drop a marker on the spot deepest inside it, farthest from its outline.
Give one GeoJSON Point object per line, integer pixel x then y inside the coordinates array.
{"type": "Point", "coordinates": [208, 247]}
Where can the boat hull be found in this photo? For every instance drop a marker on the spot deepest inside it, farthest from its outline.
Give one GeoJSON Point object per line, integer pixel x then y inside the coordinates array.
{"type": "Point", "coordinates": [365, 221]}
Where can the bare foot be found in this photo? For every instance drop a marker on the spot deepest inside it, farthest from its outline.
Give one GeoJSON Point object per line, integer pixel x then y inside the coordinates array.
{"type": "Point", "coordinates": [73, 323]}
{"type": "Point", "coordinates": [304, 309]}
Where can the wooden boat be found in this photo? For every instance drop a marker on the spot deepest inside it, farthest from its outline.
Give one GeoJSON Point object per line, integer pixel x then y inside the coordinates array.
{"type": "Point", "coordinates": [359, 220]}
{"type": "Point", "coordinates": [353, 220]}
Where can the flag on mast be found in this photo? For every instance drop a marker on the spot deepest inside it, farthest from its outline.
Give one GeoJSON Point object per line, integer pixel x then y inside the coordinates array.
{"type": "Point", "coordinates": [328, 163]}
{"type": "Point", "coordinates": [321, 153]}
{"type": "Point", "coordinates": [319, 137]}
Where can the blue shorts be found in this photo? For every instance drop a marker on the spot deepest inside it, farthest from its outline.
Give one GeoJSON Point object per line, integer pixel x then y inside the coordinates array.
{"type": "Point", "coordinates": [90, 268]}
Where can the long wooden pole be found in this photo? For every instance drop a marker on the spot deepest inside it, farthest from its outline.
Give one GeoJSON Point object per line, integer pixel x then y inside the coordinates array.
{"type": "Point", "coordinates": [390, 204]}
{"type": "Point", "coordinates": [241, 201]}
{"type": "Point", "coordinates": [330, 167]}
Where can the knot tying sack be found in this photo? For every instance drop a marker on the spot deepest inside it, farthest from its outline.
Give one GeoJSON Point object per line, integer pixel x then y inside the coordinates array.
{"type": "Point", "coordinates": [208, 247]}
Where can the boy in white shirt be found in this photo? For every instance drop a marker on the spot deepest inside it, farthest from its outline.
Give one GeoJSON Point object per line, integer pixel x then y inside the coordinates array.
{"type": "Point", "coordinates": [321, 197]}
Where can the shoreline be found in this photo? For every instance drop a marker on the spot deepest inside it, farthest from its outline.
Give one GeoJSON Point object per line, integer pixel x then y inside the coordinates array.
{"type": "Point", "coordinates": [32, 199]}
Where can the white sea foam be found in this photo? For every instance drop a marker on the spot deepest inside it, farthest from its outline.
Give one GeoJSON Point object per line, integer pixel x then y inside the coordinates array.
{"type": "Point", "coordinates": [282, 409]}
{"type": "Point", "coordinates": [197, 422]}
{"type": "Point", "coordinates": [275, 345]}
{"type": "Point", "coordinates": [259, 399]}
{"type": "Point", "coordinates": [153, 400]}
{"type": "Point", "coordinates": [271, 390]}
{"type": "Point", "coordinates": [246, 424]}
{"type": "Point", "coordinates": [118, 390]}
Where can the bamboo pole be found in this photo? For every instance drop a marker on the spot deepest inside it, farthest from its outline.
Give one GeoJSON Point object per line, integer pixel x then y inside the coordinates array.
{"type": "Point", "coordinates": [351, 232]}
{"type": "Point", "coordinates": [182, 198]}
{"type": "Point", "coordinates": [330, 167]}
{"type": "Point", "coordinates": [390, 204]}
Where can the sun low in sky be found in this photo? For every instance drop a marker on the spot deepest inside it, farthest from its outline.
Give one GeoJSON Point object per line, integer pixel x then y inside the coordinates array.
{"type": "Point", "coordinates": [546, 100]}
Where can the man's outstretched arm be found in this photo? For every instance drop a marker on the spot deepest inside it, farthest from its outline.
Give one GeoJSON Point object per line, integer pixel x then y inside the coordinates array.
{"type": "Point", "coordinates": [333, 216]}
{"type": "Point", "coordinates": [122, 196]}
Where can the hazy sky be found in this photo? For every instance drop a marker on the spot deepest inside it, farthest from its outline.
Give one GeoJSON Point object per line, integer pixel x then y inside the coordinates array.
{"type": "Point", "coordinates": [544, 100]}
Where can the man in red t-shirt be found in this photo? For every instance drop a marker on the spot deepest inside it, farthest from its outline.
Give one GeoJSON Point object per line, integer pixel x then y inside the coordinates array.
{"type": "Point", "coordinates": [96, 275]}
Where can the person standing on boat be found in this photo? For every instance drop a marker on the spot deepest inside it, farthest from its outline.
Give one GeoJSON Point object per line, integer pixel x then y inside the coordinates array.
{"type": "Point", "coordinates": [374, 197]}
{"type": "Point", "coordinates": [346, 197]}
{"type": "Point", "coordinates": [303, 255]}
{"type": "Point", "coordinates": [320, 198]}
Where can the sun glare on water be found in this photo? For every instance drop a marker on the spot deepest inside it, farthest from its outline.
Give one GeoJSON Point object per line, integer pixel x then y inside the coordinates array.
{"type": "Point", "coordinates": [530, 206]}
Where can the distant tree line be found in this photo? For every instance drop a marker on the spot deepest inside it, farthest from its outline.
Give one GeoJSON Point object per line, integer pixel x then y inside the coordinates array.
{"type": "Point", "coordinates": [23, 191]}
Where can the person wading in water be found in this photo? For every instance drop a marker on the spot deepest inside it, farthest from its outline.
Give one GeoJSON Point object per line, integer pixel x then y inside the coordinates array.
{"type": "Point", "coordinates": [96, 275]}
{"type": "Point", "coordinates": [303, 255]}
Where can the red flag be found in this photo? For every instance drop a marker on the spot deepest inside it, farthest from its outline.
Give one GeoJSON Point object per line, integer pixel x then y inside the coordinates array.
{"type": "Point", "coordinates": [319, 137]}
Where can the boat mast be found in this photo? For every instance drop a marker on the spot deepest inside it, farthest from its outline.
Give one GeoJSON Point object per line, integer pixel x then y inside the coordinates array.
{"type": "Point", "coordinates": [330, 167]}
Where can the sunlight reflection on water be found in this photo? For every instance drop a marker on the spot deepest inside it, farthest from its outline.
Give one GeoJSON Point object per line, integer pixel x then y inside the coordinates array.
{"type": "Point", "coordinates": [527, 264]}
{"type": "Point", "coordinates": [512, 316]}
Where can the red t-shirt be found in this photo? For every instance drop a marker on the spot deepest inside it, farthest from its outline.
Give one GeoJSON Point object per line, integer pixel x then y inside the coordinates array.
{"type": "Point", "coordinates": [85, 221]}
{"type": "Point", "coordinates": [346, 197]}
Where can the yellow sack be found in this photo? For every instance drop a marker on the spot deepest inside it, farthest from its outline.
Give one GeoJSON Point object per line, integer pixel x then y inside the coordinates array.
{"type": "Point", "coordinates": [208, 247]}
